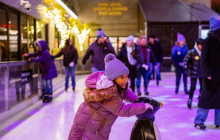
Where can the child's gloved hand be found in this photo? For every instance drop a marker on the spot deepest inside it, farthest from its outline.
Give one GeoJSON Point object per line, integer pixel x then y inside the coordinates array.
{"type": "Point", "coordinates": [148, 106]}
{"type": "Point", "coordinates": [71, 64]}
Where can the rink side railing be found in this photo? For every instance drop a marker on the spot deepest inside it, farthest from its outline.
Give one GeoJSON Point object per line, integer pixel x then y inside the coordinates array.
{"type": "Point", "coordinates": [20, 82]}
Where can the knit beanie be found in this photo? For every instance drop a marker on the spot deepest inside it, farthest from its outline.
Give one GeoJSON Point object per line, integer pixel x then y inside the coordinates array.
{"type": "Point", "coordinates": [100, 33]}
{"type": "Point", "coordinates": [214, 24]}
{"type": "Point", "coordinates": [180, 37]}
{"type": "Point", "coordinates": [114, 67]}
{"type": "Point", "coordinates": [130, 38]}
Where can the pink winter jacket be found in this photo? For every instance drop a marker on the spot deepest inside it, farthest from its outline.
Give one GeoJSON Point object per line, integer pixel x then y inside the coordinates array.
{"type": "Point", "coordinates": [96, 115]}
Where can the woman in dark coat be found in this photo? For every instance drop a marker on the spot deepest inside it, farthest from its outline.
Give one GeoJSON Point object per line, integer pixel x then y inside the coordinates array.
{"type": "Point", "coordinates": [210, 95]}
{"type": "Point", "coordinates": [69, 61]}
{"type": "Point", "coordinates": [128, 55]}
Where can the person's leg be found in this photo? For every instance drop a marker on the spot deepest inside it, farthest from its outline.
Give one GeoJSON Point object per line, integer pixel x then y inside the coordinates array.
{"type": "Point", "coordinates": [191, 92]}
{"type": "Point", "coordinates": [185, 81]}
{"type": "Point", "coordinates": [73, 70]}
{"type": "Point", "coordinates": [192, 87]}
{"type": "Point", "coordinates": [178, 77]}
{"type": "Point", "coordinates": [200, 90]}
{"type": "Point", "coordinates": [67, 74]}
{"type": "Point", "coordinates": [146, 82]}
{"type": "Point", "coordinates": [45, 89]}
{"type": "Point", "coordinates": [138, 81]}
{"type": "Point", "coordinates": [201, 117]}
{"type": "Point", "coordinates": [150, 72]}
{"type": "Point", "coordinates": [158, 73]}
{"type": "Point", "coordinates": [50, 89]}
{"type": "Point", "coordinates": [217, 117]}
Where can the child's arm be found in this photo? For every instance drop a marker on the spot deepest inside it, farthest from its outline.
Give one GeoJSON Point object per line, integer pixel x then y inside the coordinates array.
{"type": "Point", "coordinates": [119, 108]}
{"type": "Point", "coordinates": [130, 96]}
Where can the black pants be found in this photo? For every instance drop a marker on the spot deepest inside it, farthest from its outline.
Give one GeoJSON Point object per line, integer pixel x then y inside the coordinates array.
{"type": "Point", "coordinates": [193, 86]}
{"type": "Point", "coordinates": [179, 71]}
{"type": "Point", "coordinates": [132, 76]}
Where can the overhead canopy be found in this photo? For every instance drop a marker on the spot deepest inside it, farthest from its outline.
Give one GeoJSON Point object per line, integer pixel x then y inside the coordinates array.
{"type": "Point", "coordinates": [175, 11]}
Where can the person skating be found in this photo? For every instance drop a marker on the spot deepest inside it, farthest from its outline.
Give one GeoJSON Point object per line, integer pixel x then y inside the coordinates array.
{"type": "Point", "coordinates": [179, 51]}
{"type": "Point", "coordinates": [98, 50]}
{"type": "Point", "coordinates": [47, 67]}
{"type": "Point", "coordinates": [210, 95]}
{"type": "Point", "coordinates": [104, 95]}
{"type": "Point", "coordinates": [158, 53]}
{"type": "Point", "coordinates": [191, 64]}
{"type": "Point", "coordinates": [147, 57]}
{"type": "Point", "coordinates": [129, 55]}
{"type": "Point", "coordinates": [69, 61]}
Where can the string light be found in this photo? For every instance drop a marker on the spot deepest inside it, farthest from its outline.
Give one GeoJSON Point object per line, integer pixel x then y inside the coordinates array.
{"type": "Point", "coordinates": [57, 16]}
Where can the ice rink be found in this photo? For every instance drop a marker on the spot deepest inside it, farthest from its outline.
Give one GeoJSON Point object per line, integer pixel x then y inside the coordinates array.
{"type": "Point", "coordinates": [53, 121]}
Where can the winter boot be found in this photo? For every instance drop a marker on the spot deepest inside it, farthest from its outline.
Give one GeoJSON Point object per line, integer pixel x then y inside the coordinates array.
{"type": "Point", "coordinates": [217, 126]}
{"type": "Point", "coordinates": [45, 98]}
{"type": "Point", "coordinates": [138, 92]}
{"type": "Point", "coordinates": [157, 82]}
{"type": "Point", "coordinates": [66, 89]}
{"type": "Point", "coordinates": [189, 103]}
{"type": "Point", "coordinates": [146, 92]}
{"type": "Point", "coordinates": [186, 90]}
{"type": "Point", "coordinates": [50, 98]}
{"type": "Point", "coordinates": [73, 89]}
{"type": "Point", "coordinates": [201, 126]}
{"type": "Point", "coordinates": [177, 90]}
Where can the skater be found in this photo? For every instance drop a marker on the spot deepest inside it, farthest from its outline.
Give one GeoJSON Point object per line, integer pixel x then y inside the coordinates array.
{"type": "Point", "coordinates": [128, 54]}
{"type": "Point", "coordinates": [147, 57]}
{"type": "Point", "coordinates": [103, 103]}
{"type": "Point", "coordinates": [191, 64]}
{"type": "Point", "coordinates": [158, 53]}
{"type": "Point", "coordinates": [179, 51]}
{"type": "Point", "coordinates": [69, 61]}
{"type": "Point", "coordinates": [210, 95]}
{"type": "Point", "coordinates": [98, 49]}
{"type": "Point", "coordinates": [47, 67]}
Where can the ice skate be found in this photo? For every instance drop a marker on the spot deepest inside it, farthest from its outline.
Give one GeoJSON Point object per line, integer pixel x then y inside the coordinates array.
{"type": "Point", "coordinates": [201, 126]}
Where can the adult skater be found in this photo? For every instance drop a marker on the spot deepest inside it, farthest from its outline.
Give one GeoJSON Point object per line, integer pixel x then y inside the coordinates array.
{"type": "Point", "coordinates": [179, 51]}
{"type": "Point", "coordinates": [98, 50]}
{"type": "Point", "coordinates": [103, 103]}
{"type": "Point", "coordinates": [210, 95]}
{"type": "Point", "coordinates": [69, 61]}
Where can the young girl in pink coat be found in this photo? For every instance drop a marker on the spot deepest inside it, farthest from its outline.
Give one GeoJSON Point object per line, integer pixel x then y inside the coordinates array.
{"type": "Point", "coordinates": [103, 103]}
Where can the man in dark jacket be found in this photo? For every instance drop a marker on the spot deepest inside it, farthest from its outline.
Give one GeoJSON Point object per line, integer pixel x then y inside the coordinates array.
{"type": "Point", "coordinates": [210, 95]}
{"type": "Point", "coordinates": [147, 57]}
{"type": "Point", "coordinates": [158, 53]}
{"type": "Point", "coordinates": [47, 67]}
{"type": "Point", "coordinates": [191, 64]}
{"type": "Point", "coordinates": [98, 50]}
{"type": "Point", "coordinates": [69, 61]}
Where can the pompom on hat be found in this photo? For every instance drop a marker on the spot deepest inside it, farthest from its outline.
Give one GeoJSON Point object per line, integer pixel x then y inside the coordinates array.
{"type": "Point", "coordinates": [114, 67]}
{"type": "Point", "coordinates": [100, 33]}
{"type": "Point", "coordinates": [180, 37]}
{"type": "Point", "coordinates": [214, 24]}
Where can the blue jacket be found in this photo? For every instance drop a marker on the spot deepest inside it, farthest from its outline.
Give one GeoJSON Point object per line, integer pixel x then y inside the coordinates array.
{"type": "Point", "coordinates": [178, 54]}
